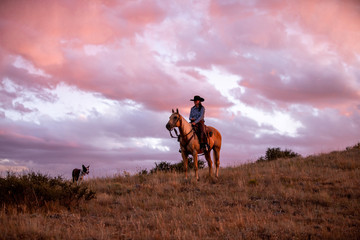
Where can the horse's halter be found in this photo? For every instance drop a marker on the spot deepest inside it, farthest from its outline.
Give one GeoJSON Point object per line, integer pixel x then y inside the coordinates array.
{"type": "Point", "coordinates": [174, 128]}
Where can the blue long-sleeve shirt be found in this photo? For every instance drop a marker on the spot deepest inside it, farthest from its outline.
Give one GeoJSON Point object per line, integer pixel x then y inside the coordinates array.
{"type": "Point", "coordinates": [197, 114]}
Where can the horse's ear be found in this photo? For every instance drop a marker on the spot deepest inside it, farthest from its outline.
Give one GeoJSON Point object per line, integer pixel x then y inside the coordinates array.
{"type": "Point", "coordinates": [172, 110]}
{"type": "Point", "coordinates": [177, 110]}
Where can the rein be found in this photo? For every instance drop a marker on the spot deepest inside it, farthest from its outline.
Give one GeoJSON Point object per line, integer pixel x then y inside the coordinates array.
{"type": "Point", "coordinates": [178, 136]}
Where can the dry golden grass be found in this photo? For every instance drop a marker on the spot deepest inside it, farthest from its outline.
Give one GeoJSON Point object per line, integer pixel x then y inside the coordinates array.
{"type": "Point", "coordinates": [317, 197]}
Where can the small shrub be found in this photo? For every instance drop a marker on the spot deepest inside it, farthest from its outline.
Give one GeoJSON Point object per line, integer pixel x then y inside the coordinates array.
{"type": "Point", "coordinates": [177, 167]}
{"type": "Point", "coordinates": [356, 146]}
{"type": "Point", "coordinates": [143, 172]}
{"type": "Point", "coordinates": [35, 190]}
{"type": "Point", "coordinates": [162, 167]}
{"type": "Point", "coordinates": [276, 153]}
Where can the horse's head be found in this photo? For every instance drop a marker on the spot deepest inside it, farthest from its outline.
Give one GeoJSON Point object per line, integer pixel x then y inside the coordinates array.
{"type": "Point", "coordinates": [173, 120]}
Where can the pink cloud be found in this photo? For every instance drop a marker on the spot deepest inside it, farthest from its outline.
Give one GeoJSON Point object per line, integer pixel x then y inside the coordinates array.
{"type": "Point", "coordinates": [41, 43]}
{"type": "Point", "coordinates": [318, 18]}
{"type": "Point", "coordinates": [317, 86]}
{"type": "Point", "coordinates": [21, 108]}
{"type": "Point", "coordinates": [279, 68]}
{"type": "Point", "coordinates": [30, 32]}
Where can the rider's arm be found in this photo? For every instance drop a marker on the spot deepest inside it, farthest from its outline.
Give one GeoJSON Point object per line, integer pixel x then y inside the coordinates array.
{"type": "Point", "coordinates": [192, 113]}
{"type": "Point", "coordinates": [201, 117]}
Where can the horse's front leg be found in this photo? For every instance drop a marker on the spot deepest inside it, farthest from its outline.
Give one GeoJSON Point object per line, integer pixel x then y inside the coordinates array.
{"type": "Point", "coordinates": [208, 159]}
{"type": "Point", "coordinates": [195, 158]}
{"type": "Point", "coordinates": [185, 160]}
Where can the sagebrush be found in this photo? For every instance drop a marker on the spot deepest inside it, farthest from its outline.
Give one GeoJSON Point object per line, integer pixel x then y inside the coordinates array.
{"type": "Point", "coordinates": [36, 190]}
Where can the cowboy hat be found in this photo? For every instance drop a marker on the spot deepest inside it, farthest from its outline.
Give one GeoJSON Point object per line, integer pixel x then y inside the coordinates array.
{"type": "Point", "coordinates": [197, 98]}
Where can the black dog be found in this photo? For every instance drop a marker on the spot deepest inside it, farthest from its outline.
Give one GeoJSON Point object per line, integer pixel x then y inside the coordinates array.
{"type": "Point", "coordinates": [77, 174]}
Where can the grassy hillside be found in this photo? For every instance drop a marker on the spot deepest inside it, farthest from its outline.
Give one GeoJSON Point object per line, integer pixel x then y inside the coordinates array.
{"type": "Point", "coordinates": [316, 197]}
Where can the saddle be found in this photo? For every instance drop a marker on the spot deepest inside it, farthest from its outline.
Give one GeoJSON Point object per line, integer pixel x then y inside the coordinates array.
{"type": "Point", "coordinates": [208, 134]}
{"type": "Point", "coordinates": [208, 131]}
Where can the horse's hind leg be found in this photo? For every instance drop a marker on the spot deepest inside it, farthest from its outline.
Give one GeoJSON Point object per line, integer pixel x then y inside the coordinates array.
{"type": "Point", "coordinates": [217, 160]}
{"type": "Point", "coordinates": [208, 159]}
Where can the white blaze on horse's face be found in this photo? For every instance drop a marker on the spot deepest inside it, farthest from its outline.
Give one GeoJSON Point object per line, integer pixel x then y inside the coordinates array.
{"type": "Point", "coordinates": [173, 120]}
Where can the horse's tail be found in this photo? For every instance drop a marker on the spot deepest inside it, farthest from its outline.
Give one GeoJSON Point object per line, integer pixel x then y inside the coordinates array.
{"type": "Point", "coordinates": [216, 136]}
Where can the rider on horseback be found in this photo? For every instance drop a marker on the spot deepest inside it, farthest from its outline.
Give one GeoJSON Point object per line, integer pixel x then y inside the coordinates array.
{"type": "Point", "coordinates": [197, 114]}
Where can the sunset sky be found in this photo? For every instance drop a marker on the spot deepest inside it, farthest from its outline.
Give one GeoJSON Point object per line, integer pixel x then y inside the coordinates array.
{"type": "Point", "coordinates": [94, 82]}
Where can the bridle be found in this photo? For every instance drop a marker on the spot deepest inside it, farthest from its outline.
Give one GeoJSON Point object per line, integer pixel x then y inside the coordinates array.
{"type": "Point", "coordinates": [178, 135]}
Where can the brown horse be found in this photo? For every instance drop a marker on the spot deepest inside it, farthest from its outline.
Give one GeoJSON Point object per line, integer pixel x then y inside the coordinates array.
{"type": "Point", "coordinates": [189, 143]}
